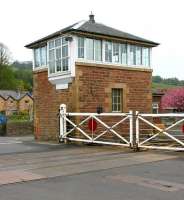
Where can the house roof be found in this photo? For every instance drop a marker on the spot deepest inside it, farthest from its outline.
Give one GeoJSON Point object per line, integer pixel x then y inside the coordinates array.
{"type": "Point", "coordinates": [94, 28]}
{"type": "Point", "coordinates": [5, 94]}
{"type": "Point", "coordinates": [158, 92]}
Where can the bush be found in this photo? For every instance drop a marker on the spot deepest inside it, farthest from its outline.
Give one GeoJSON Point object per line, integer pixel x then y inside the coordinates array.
{"type": "Point", "coordinates": [21, 116]}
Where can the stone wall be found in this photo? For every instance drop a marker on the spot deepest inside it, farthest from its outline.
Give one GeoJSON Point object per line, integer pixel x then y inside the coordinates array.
{"type": "Point", "coordinates": [19, 128]}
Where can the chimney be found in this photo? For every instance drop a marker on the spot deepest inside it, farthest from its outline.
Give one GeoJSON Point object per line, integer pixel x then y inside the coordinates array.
{"type": "Point", "coordinates": [91, 18]}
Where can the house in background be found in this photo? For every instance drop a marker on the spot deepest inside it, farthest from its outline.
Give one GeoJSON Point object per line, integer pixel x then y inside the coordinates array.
{"type": "Point", "coordinates": [87, 65]}
{"type": "Point", "coordinates": [156, 100]}
{"type": "Point", "coordinates": [15, 102]}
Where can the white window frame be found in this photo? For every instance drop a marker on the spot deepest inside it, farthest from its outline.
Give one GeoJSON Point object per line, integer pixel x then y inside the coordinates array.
{"type": "Point", "coordinates": [127, 46]}
{"type": "Point", "coordinates": [119, 103]}
{"type": "Point", "coordinates": [155, 106]}
{"type": "Point", "coordinates": [80, 47]}
{"type": "Point", "coordinates": [58, 72]}
{"type": "Point", "coordinates": [40, 57]}
{"type": "Point", "coordinates": [111, 62]}
{"type": "Point", "coordinates": [119, 52]}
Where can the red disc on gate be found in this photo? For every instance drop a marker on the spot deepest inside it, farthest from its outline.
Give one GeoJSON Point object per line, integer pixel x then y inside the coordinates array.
{"type": "Point", "coordinates": [92, 124]}
{"type": "Point", "coordinates": [182, 128]}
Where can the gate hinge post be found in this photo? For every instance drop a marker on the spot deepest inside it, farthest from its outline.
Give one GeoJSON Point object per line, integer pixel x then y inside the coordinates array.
{"type": "Point", "coordinates": [62, 129]}
{"type": "Point", "coordinates": [136, 128]}
{"type": "Point", "coordinates": [131, 128]}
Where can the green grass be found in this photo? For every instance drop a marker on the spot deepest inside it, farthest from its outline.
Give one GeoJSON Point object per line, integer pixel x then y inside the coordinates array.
{"type": "Point", "coordinates": [163, 86]}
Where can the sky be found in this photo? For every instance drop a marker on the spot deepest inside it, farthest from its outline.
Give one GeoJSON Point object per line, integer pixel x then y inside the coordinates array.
{"type": "Point", "coordinates": [162, 21]}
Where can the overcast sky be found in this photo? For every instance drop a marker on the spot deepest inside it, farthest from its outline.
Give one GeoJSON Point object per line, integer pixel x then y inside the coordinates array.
{"type": "Point", "coordinates": [23, 21]}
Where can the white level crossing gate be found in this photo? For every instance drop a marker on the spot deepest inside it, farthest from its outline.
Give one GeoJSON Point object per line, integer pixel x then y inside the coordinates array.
{"type": "Point", "coordinates": [134, 130]}
{"type": "Point", "coordinates": [160, 131]}
{"type": "Point", "coordinates": [104, 128]}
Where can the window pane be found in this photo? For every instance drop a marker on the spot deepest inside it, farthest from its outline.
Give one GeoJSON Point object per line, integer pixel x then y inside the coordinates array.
{"type": "Point", "coordinates": [65, 64]}
{"type": "Point", "coordinates": [58, 65]}
{"type": "Point", "coordinates": [108, 51]}
{"type": "Point", "coordinates": [116, 100]}
{"type": "Point", "coordinates": [138, 55]}
{"type": "Point", "coordinates": [89, 49]}
{"type": "Point", "coordinates": [52, 61]}
{"type": "Point", "coordinates": [43, 56]}
{"type": "Point", "coordinates": [64, 41]}
{"type": "Point", "coordinates": [58, 59]}
{"type": "Point", "coordinates": [58, 53]}
{"type": "Point", "coordinates": [145, 56]}
{"type": "Point", "coordinates": [65, 51]}
{"type": "Point", "coordinates": [51, 67]}
{"type": "Point", "coordinates": [98, 50]}
{"type": "Point", "coordinates": [80, 47]}
{"type": "Point", "coordinates": [58, 42]}
{"type": "Point", "coordinates": [37, 57]}
{"type": "Point", "coordinates": [51, 55]}
{"type": "Point", "coordinates": [123, 54]}
{"type": "Point", "coordinates": [116, 52]}
{"type": "Point", "coordinates": [51, 44]}
{"type": "Point", "coordinates": [131, 55]}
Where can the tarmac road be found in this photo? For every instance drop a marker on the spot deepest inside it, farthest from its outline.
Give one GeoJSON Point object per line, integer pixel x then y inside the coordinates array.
{"type": "Point", "coordinates": [64, 172]}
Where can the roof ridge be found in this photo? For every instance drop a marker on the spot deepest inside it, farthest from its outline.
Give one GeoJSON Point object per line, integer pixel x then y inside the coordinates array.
{"type": "Point", "coordinates": [79, 24]}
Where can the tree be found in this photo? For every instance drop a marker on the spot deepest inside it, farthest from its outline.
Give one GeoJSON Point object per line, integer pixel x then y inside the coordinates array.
{"type": "Point", "coordinates": [174, 98]}
{"type": "Point", "coordinates": [4, 55]}
{"type": "Point", "coordinates": [157, 79]}
{"type": "Point", "coordinates": [7, 78]}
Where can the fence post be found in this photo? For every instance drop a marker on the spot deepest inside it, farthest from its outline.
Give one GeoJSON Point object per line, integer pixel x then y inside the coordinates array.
{"type": "Point", "coordinates": [131, 127]}
{"type": "Point", "coordinates": [62, 121]}
{"type": "Point", "coordinates": [137, 130]}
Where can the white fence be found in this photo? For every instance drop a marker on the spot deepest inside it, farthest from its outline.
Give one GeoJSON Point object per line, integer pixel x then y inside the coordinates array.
{"type": "Point", "coordinates": [138, 130]}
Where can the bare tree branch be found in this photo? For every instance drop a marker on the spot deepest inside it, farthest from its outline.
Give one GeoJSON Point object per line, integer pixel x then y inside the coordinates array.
{"type": "Point", "coordinates": [4, 55]}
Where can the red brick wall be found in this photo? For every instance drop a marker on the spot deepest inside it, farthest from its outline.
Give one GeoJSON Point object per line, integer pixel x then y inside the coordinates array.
{"type": "Point", "coordinates": [46, 106]}
{"type": "Point", "coordinates": [91, 87]}
{"type": "Point", "coordinates": [96, 83]}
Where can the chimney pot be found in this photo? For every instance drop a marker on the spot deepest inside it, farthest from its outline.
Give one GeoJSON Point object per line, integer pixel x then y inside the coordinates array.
{"type": "Point", "coordinates": [91, 18]}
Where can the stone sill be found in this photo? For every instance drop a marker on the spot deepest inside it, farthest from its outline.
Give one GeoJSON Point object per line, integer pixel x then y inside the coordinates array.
{"type": "Point", "coordinates": [78, 63]}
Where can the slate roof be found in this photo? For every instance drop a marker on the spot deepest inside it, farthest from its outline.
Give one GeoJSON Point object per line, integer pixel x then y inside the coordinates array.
{"type": "Point", "coordinates": [14, 94]}
{"type": "Point", "coordinates": [159, 92]}
{"type": "Point", "coordinates": [96, 29]}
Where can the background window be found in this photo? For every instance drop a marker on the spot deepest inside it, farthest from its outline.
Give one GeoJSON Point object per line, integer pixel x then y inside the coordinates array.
{"type": "Point", "coordinates": [108, 51]}
{"type": "Point", "coordinates": [116, 100]}
{"type": "Point", "coordinates": [155, 108]}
